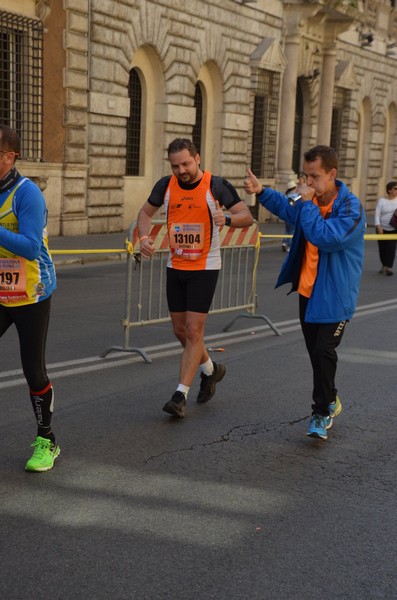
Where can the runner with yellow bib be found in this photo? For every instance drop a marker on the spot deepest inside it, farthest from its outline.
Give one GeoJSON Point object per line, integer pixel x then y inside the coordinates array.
{"type": "Point", "coordinates": [27, 280]}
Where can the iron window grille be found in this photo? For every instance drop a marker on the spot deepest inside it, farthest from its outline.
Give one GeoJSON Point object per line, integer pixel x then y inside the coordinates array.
{"type": "Point", "coordinates": [21, 81]}
{"type": "Point", "coordinates": [339, 125]}
{"type": "Point", "coordinates": [264, 134]}
{"type": "Point", "coordinates": [198, 126]}
{"type": "Point", "coordinates": [133, 150]}
{"type": "Point", "coordinates": [297, 147]}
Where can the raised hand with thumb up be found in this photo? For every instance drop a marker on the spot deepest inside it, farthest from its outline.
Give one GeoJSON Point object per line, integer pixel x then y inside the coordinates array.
{"type": "Point", "coordinates": [219, 215]}
{"type": "Point", "coordinates": [251, 183]}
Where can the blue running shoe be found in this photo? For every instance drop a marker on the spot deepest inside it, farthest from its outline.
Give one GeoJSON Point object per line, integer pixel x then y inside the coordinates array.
{"type": "Point", "coordinates": [335, 408]}
{"type": "Point", "coordinates": [318, 427]}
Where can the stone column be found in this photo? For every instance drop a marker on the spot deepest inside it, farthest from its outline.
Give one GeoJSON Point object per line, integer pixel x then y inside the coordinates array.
{"type": "Point", "coordinates": [326, 96]}
{"type": "Point", "coordinates": [287, 109]}
{"type": "Point", "coordinates": [74, 217]}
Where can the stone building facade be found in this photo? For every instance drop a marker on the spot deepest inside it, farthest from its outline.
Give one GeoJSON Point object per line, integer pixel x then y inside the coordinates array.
{"type": "Point", "coordinates": [109, 83]}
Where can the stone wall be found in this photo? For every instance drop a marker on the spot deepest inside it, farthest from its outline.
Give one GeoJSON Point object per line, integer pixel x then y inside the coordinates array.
{"type": "Point", "coordinates": [175, 43]}
{"type": "Point", "coordinates": [183, 40]}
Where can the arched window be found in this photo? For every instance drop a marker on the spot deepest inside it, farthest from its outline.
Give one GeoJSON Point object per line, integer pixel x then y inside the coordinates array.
{"type": "Point", "coordinates": [264, 131]}
{"type": "Point", "coordinates": [198, 126]}
{"type": "Point", "coordinates": [134, 124]}
{"type": "Point", "coordinates": [363, 148]}
{"type": "Point", "coordinates": [340, 126]}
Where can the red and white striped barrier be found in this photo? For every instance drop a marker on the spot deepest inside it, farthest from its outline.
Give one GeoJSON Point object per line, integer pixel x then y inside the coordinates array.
{"type": "Point", "coordinates": [228, 236]}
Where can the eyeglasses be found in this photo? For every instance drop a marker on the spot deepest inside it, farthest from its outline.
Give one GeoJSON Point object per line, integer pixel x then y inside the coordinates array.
{"type": "Point", "coordinates": [9, 152]}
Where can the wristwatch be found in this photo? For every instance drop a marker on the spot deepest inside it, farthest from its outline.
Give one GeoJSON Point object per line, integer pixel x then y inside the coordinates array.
{"type": "Point", "coordinates": [293, 198]}
{"type": "Point", "coordinates": [228, 221]}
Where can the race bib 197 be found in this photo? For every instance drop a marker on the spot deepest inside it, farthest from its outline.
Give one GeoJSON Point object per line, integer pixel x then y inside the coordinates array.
{"type": "Point", "coordinates": [12, 279]}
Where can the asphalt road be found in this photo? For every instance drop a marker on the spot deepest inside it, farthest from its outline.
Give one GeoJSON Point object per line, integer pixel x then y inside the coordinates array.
{"type": "Point", "coordinates": [234, 501]}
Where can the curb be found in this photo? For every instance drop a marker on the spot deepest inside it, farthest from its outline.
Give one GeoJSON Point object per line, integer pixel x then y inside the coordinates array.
{"type": "Point", "coordinates": [88, 259]}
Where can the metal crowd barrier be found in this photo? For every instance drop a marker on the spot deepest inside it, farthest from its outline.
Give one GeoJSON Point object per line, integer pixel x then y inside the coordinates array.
{"type": "Point", "coordinates": [145, 294]}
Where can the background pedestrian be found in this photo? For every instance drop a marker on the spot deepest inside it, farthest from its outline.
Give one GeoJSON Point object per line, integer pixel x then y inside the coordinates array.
{"type": "Point", "coordinates": [384, 210]}
{"type": "Point", "coordinates": [289, 228]}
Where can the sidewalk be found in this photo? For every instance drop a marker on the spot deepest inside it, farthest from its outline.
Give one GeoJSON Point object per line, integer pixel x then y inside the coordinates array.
{"type": "Point", "coordinates": [73, 250]}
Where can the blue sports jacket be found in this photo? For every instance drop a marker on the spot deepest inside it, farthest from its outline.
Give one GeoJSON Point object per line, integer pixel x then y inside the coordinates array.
{"type": "Point", "coordinates": [340, 243]}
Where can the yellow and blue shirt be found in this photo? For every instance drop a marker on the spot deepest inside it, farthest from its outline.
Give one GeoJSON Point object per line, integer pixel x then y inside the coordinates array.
{"type": "Point", "coordinates": [27, 273]}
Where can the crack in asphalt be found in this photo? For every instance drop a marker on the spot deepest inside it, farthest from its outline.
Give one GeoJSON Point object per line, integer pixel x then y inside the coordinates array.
{"type": "Point", "coordinates": [232, 434]}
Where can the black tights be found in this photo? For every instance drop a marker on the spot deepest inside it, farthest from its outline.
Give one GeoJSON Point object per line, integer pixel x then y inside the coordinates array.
{"type": "Point", "coordinates": [321, 339]}
{"type": "Point", "coordinates": [31, 322]}
{"type": "Point", "coordinates": [387, 250]}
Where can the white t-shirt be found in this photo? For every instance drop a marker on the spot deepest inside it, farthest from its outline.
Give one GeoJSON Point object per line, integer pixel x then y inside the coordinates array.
{"type": "Point", "coordinates": [383, 213]}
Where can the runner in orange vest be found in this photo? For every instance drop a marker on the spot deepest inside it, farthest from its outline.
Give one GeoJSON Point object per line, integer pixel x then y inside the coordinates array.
{"type": "Point", "coordinates": [192, 199]}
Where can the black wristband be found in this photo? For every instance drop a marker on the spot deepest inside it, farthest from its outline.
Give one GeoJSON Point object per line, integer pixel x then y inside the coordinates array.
{"type": "Point", "coordinates": [228, 221]}
{"type": "Point", "coordinates": [259, 193]}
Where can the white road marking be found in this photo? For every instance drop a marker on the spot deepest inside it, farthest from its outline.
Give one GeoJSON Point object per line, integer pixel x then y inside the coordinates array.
{"type": "Point", "coordinates": [90, 364]}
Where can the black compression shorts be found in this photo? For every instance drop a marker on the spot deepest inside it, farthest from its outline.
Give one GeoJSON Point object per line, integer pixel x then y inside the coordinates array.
{"type": "Point", "coordinates": [190, 290]}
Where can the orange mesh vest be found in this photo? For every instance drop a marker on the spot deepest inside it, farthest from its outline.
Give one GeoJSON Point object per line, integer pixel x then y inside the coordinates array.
{"type": "Point", "coordinates": [193, 237]}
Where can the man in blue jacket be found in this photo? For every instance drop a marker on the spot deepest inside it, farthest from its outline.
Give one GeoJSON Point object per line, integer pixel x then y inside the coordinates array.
{"type": "Point", "coordinates": [324, 265]}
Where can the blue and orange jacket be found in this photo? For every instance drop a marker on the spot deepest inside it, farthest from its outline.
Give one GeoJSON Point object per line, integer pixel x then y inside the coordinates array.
{"type": "Point", "coordinates": [340, 243]}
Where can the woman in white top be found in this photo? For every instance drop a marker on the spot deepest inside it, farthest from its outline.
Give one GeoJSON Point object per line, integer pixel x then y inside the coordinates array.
{"type": "Point", "coordinates": [383, 213]}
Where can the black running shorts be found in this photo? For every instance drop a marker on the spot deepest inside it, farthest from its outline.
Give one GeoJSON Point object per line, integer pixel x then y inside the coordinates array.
{"type": "Point", "coordinates": [190, 290]}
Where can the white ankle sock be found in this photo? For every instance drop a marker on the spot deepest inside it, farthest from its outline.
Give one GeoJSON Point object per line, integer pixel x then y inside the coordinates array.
{"type": "Point", "coordinates": [183, 388]}
{"type": "Point", "coordinates": [207, 367]}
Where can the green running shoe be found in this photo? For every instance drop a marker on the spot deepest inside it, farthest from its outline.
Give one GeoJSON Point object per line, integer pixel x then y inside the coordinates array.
{"type": "Point", "coordinates": [335, 408]}
{"type": "Point", "coordinates": [44, 455]}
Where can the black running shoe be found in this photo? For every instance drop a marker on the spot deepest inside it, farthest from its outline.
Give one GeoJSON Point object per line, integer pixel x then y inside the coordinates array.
{"type": "Point", "coordinates": [176, 406]}
{"type": "Point", "coordinates": [208, 383]}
